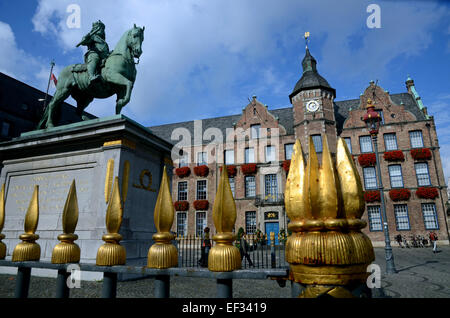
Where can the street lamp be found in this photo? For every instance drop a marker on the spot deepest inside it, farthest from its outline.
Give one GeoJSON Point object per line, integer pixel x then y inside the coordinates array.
{"type": "Point", "coordinates": [373, 120]}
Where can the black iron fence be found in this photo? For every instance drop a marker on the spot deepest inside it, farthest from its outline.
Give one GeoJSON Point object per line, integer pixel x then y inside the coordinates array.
{"type": "Point", "coordinates": [259, 252]}
{"type": "Point", "coordinates": [224, 280]}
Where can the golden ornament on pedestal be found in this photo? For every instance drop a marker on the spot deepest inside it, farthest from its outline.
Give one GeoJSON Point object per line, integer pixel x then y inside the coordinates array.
{"type": "Point", "coordinates": [163, 254]}
{"type": "Point", "coordinates": [67, 251]}
{"type": "Point", "coordinates": [224, 257]}
{"type": "Point", "coordinates": [28, 249]}
{"type": "Point", "coordinates": [325, 205]}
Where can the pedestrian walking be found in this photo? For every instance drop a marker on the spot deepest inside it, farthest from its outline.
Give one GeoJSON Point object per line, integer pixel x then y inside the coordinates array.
{"type": "Point", "coordinates": [433, 238]}
{"type": "Point", "coordinates": [243, 249]}
{"type": "Point", "coordinates": [399, 239]}
{"type": "Point", "coordinates": [206, 246]}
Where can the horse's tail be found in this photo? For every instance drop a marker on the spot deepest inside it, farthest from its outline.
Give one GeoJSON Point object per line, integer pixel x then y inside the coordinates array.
{"type": "Point", "coordinates": [43, 120]}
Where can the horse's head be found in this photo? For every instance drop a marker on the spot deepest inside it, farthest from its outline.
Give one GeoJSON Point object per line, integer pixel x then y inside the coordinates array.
{"type": "Point", "coordinates": [134, 41]}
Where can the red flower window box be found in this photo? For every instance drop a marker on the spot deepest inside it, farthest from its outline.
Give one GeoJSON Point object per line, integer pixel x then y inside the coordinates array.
{"type": "Point", "coordinates": [396, 155]}
{"type": "Point", "coordinates": [231, 170]}
{"type": "Point", "coordinates": [183, 172]}
{"type": "Point", "coordinates": [286, 165]}
{"type": "Point", "coordinates": [181, 205]}
{"type": "Point", "coordinates": [367, 160]}
{"type": "Point", "coordinates": [399, 194]}
{"type": "Point", "coordinates": [372, 196]}
{"type": "Point", "coordinates": [201, 204]}
{"type": "Point", "coordinates": [427, 193]}
{"type": "Point", "coordinates": [249, 168]}
{"type": "Point", "coordinates": [201, 171]}
{"type": "Point", "coordinates": [421, 154]}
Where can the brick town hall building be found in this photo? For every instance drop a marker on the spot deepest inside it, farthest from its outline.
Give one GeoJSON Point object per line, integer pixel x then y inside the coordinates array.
{"type": "Point", "coordinates": [411, 169]}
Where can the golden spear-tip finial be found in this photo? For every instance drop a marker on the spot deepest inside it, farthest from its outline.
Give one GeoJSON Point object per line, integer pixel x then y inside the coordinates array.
{"type": "Point", "coordinates": [28, 249]}
{"type": "Point", "coordinates": [67, 251]}
{"type": "Point", "coordinates": [163, 254]}
{"type": "Point", "coordinates": [224, 257]}
{"type": "Point", "coordinates": [2, 222]}
{"type": "Point", "coordinates": [112, 253]}
{"type": "Point", "coordinates": [296, 194]}
{"type": "Point", "coordinates": [326, 251]}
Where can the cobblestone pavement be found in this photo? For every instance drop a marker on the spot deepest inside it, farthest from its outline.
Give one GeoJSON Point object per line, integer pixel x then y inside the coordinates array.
{"type": "Point", "coordinates": [420, 274]}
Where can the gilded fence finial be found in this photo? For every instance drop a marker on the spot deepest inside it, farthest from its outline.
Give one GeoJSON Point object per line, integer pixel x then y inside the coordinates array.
{"type": "Point", "coordinates": [163, 254]}
{"type": "Point", "coordinates": [2, 222]}
{"type": "Point", "coordinates": [224, 257]}
{"type": "Point", "coordinates": [112, 253]}
{"type": "Point", "coordinates": [67, 251]}
{"type": "Point", "coordinates": [28, 249]}
{"type": "Point", "coordinates": [327, 251]}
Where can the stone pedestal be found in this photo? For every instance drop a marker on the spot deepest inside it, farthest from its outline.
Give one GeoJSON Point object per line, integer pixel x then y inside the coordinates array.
{"type": "Point", "coordinates": [93, 153]}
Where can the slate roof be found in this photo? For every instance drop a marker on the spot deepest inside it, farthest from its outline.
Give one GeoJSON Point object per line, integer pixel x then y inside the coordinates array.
{"type": "Point", "coordinates": [286, 117]}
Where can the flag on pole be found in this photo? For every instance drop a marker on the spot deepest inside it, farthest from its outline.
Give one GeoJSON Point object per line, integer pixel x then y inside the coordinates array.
{"type": "Point", "coordinates": [54, 79]}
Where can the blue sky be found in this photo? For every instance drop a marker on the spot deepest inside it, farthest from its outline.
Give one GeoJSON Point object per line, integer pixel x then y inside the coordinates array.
{"type": "Point", "coordinates": [205, 58]}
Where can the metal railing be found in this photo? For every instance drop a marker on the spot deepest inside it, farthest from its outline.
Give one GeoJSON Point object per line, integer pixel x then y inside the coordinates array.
{"type": "Point", "coordinates": [262, 253]}
{"type": "Point", "coordinates": [224, 280]}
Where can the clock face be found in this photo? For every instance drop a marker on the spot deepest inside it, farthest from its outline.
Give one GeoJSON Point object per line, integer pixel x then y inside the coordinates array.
{"type": "Point", "coordinates": [312, 106]}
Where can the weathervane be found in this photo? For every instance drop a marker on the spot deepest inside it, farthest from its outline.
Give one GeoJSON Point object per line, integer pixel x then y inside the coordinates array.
{"type": "Point", "coordinates": [306, 38]}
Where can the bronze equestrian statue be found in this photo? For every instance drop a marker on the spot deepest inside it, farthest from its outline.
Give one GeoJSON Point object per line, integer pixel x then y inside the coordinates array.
{"type": "Point", "coordinates": [103, 74]}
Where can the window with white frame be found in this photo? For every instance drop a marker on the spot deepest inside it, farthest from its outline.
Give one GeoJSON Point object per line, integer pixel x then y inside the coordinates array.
{"type": "Point", "coordinates": [270, 153]}
{"type": "Point", "coordinates": [422, 174]}
{"type": "Point", "coordinates": [231, 180]}
{"type": "Point", "coordinates": [370, 178]}
{"type": "Point", "coordinates": [182, 190]}
{"type": "Point", "coordinates": [250, 187]}
{"type": "Point", "coordinates": [202, 158]}
{"type": "Point", "coordinates": [201, 190]}
{"type": "Point", "coordinates": [395, 175]}
{"type": "Point", "coordinates": [271, 187]}
{"type": "Point", "coordinates": [250, 222]}
{"type": "Point", "coordinates": [184, 159]}
{"type": "Point", "coordinates": [200, 223]}
{"type": "Point", "coordinates": [181, 224]}
{"type": "Point", "coordinates": [401, 217]}
{"type": "Point", "coordinates": [365, 143]}
{"type": "Point", "coordinates": [317, 141]}
{"type": "Point", "coordinates": [390, 141]}
{"type": "Point", "coordinates": [374, 214]}
{"type": "Point", "coordinates": [255, 131]}
{"type": "Point", "coordinates": [229, 157]}
{"type": "Point", "coordinates": [416, 139]}
{"type": "Point", "coordinates": [430, 216]}
{"type": "Point", "coordinates": [249, 155]}
{"type": "Point", "coordinates": [348, 141]}
{"type": "Point", "coordinates": [288, 149]}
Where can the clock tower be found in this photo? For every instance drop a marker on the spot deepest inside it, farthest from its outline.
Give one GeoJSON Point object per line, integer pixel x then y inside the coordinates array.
{"type": "Point", "coordinates": [313, 107]}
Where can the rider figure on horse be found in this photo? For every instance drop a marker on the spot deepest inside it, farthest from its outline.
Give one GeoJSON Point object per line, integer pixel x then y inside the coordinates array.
{"type": "Point", "coordinates": [98, 50]}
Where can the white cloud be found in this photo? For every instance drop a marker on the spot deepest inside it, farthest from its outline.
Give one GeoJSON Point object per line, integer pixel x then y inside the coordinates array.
{"type": "Point", "coordinates": [440, 107]}
{"type": "Point", "coordinates": [206, 57]}
{"type": "Point", "coordinates": [16, 62]}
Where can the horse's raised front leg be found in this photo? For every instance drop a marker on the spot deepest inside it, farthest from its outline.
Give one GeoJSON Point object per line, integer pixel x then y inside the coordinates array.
{"type": "Point", "coordinates": [122, 97]}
